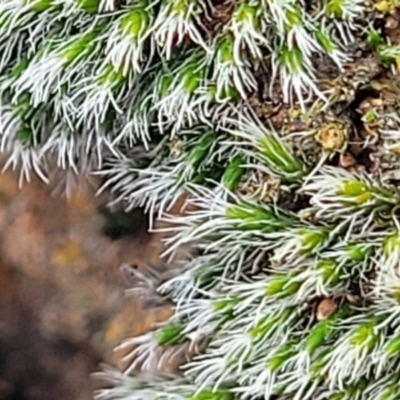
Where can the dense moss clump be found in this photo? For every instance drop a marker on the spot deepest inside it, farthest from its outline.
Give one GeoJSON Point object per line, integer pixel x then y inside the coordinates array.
{"type": "Point", "coordinates": [279, 120]}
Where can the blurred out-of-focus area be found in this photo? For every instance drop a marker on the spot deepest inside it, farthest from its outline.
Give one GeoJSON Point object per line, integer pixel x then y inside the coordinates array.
{"type": "Point", "coordinates": [62, 301]}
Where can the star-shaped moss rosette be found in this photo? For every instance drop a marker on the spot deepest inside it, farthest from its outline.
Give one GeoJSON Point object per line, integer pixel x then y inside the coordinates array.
{"type": "Point", "coordinates": [279, 123]}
